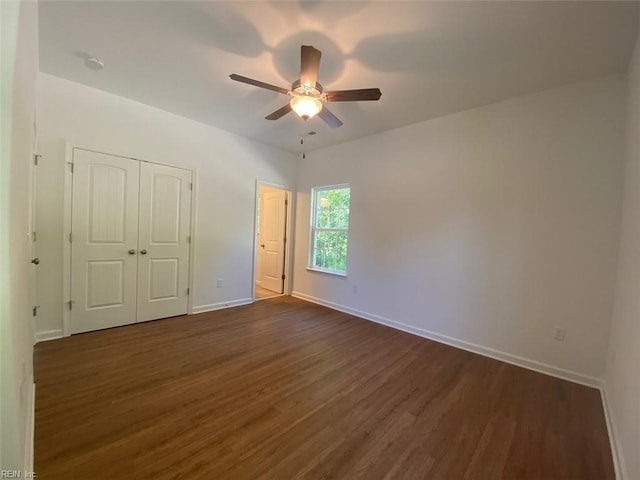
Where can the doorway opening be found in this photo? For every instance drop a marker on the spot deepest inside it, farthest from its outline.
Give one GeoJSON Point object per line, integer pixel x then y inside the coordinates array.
{"type": "Point", "coordinates": [273, 226]}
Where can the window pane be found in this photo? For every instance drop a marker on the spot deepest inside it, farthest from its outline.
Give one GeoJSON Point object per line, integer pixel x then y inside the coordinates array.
{"type": "Point", "coordinates": [330, 250]}
{"type": "Point", "coordinates": [332, 208]}
{"type": "Point", "coordinates": [330, 227]}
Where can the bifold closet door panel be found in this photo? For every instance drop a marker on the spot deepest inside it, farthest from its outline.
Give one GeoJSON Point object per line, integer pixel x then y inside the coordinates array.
{"type": "Point", "coordinates": [163, 242]}
{"type": "Point", "coordinates": [104, 241]}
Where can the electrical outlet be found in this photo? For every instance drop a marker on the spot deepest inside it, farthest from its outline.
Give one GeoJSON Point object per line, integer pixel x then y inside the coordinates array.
{"type": "Point", "coordinates": [220, 282]}
{"type": "Point", "coordinates": [560, 334]}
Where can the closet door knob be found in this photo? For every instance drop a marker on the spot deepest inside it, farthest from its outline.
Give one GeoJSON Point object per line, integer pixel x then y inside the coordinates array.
{"type": "Point", "coordinates": [143, 251]}
{"type": "Point", "coordinates": [132, 252]}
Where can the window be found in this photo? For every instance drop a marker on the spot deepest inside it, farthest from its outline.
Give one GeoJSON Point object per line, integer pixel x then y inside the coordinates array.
{"type": "Point", "coordinates": [329, 228]}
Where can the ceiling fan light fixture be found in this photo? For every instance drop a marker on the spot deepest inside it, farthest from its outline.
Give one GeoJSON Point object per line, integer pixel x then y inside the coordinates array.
{"type": "Point", "coordinates": [307, 92]}
{"type": "Point", "coordinates": [306, 107]}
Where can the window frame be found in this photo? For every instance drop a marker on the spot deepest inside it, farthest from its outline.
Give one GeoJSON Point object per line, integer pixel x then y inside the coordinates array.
{"type": "Point", "coordinates": [313, 229]}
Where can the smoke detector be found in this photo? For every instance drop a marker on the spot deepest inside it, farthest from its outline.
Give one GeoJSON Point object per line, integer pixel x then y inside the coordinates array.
{"type": "Point", "coordinates": [94, 63]}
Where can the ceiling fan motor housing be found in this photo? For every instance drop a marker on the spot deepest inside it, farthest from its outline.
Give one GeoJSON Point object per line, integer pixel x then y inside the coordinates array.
{"type": "Point", "coordinates": [298, 88]}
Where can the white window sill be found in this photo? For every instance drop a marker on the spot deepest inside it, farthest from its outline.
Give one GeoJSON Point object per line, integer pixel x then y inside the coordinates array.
{"type": "Point", "coordinates": [329, 272]}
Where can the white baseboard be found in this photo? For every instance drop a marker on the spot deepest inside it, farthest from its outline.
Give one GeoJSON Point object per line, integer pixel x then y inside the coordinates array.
{"type": "Point", "coordinates": [218, 306]}
{"type": "Point", "coordinates": [612, 430]}
{"type": "Point", "coordinates": [30, 428]}
{"type": "Point", "coordinates": [48, 335]}
{"type": "Point", "coordinates": [462, 344]}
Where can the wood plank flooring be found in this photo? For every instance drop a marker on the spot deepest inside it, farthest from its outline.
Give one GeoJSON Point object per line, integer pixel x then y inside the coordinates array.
{"type": "Point", "coordinates": [284, 389]}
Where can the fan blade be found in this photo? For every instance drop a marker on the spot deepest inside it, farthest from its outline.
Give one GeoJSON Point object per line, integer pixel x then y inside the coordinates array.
{"type": "Point", "coordinates": [257, 83]}
{"type": "Point", "coordinates": [281, 112]}
{"type": "Point", "coordinates": [309, 65]}
{"type": "Point", "coordinates": [329, 118]}
{"type": "Point", "coordinates": [354, 95]}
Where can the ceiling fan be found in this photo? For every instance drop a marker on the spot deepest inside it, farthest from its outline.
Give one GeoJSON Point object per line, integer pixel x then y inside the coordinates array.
{"type": "Point", "coordinates": [308, 95]}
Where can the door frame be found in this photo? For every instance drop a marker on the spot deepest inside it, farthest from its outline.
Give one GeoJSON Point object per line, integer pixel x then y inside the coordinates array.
{"type": "Point", "coordinates": [33, 219]}
{"type": "Point", "coordinates": [288, 248]}
{"type": "Point", "coordinates": [67, 227]}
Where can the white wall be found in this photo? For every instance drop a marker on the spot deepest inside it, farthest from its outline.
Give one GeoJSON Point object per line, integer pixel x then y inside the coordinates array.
{"type": "Point", "coordinates": [228, 166]}
{"type": "Point", "coordinates": [490, 227]}
{"type": "Point", "coordinates": [19, 68]}
{"type": "Point", "coordinates": [622, 379]}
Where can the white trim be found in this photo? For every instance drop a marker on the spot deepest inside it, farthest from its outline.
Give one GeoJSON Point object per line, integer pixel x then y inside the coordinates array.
{"type": "Point", "coordinates": [102, 152]}
{"type": "Point", "coordinates": [33, 226]}
{"type": "Point", "coordinates": [49, 335]}
{"type": "Point", "coordinates": [288, 252]}
{"type": "Point", "coordinates": [462, 344]}
{"type": "Point", "coordinates": [192, 243]}
{"type": "Point", "coordinates": [616, 452]}
{"type": "Point", "coordinates": [66, 244]}
{"type": "Point", "coordinates": [327, 271]}
{"type": "Point", "coordinates": [30, 428]}
{"type": "Point", "coordinates": [219, 306]}
{"type": "Point", "coordinates": [254, 271]}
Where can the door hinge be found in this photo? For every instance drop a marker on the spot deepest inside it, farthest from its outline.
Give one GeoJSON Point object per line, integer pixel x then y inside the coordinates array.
{"type": "Point", "coordinates": [188, 238]}
{"type": "Point", "coordinates": [33, 236]}
{"type": "Point", "coordinates": [284, 239]}
{"type": "Point", "coordinates": [190, 186]}
{"type": "Point", "coordinates": [71, 166]}
{"type": "Point", "coordinates": [286, 202]}
{"type": "Point", "coordinates": [283, 276]}
{"type": "Point", "coordinates": [70, 304]}
{"type": "Point", "coordinates": [35, 310]}
{"type": "Point", "coordinates": [70, 237]}
{"type": "Point", "coordinates": [188, 291]}
{"type": "Point", "coordinates": [36, 158]}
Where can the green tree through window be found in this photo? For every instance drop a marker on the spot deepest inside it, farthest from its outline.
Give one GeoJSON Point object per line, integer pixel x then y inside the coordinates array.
{"type": "Point", "coordinates": [330, 228]}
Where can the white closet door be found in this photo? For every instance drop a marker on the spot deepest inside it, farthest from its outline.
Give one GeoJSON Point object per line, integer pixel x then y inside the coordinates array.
{"type": "Point", "coordinates": [163, 262]}
{"type": "Point", "coordinates": [105, 238]}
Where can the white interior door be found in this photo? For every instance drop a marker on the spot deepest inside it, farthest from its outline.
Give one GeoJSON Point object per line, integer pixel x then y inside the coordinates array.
{"type": "Point", "coordinates": [273, 217]}
{"type": "Point", "coordinates": [104, 243]}
{"type": "Point", "coordinates": [163, 260]}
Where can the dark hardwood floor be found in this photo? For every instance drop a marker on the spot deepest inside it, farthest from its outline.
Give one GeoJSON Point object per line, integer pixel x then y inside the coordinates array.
{"type": "Point", "coordinates": [285, 389]}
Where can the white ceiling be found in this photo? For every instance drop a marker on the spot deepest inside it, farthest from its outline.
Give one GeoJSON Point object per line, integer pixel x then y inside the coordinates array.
{"type": "Point", "coordinates": [428, 58]}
